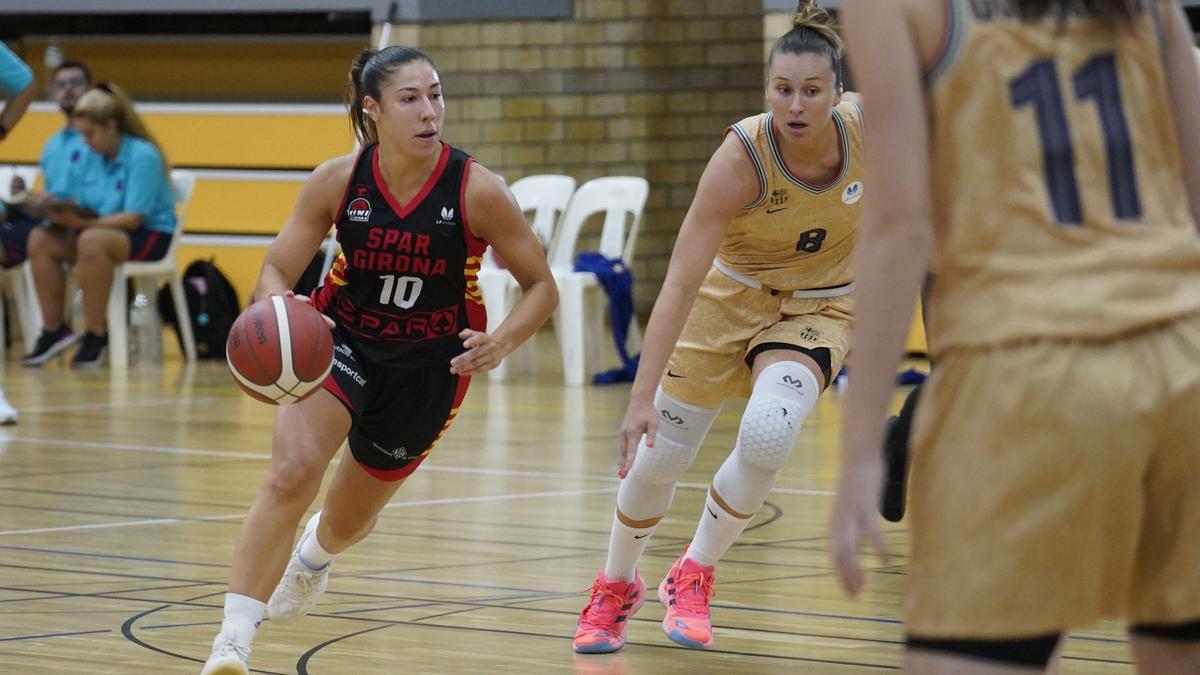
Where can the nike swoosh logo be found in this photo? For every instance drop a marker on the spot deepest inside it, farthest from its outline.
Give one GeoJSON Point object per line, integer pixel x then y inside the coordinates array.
{"type": "Point", "coordinates": [670, 374]}
{"type": "Point", "coordinates": [710, 512]}
{"type": "Point", "coordinates": [777, 210]}
{"type": "Point", "coordinates": [641, 536]}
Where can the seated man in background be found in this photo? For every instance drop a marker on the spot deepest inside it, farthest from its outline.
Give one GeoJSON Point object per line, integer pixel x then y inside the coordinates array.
{"type": "Point", "coordinates": [70, 80]}
{"type": "Point", "coordinates": [121, 208]}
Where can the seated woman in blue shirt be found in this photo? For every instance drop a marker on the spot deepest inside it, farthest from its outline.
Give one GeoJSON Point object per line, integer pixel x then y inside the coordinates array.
{"type": "Point", "coordinates": [122, 209]}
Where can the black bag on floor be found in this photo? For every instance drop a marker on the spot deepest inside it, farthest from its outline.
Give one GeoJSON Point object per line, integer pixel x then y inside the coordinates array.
{"type": "Point", "coordinates": [212, 308]}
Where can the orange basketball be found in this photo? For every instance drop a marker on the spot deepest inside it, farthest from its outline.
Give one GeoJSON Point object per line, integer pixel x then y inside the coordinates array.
{"type": "Point", "coordinates": [279, 350]}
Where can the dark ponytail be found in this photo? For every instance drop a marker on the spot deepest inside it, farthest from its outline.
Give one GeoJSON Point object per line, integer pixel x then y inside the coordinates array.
{"type": "Point", "coordinates": [368, 72]}
{"type": "Point", "coordinates": [813, 32]}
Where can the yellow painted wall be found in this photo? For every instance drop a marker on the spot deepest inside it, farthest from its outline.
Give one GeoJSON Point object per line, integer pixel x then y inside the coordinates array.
{"type": "Point", "coordinates": [218, 140]}
{"type": "Point", "coordinates": [240, 206]}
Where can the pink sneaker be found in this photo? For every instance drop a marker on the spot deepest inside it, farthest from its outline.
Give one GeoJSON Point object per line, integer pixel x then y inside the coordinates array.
{"type": "Point", "coordinates": [602, 624]}
{"type": "Point", "coordinates": [685, 593]}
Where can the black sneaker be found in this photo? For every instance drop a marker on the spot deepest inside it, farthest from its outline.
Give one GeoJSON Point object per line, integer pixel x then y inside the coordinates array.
{"type": "Point", "coordinates": [91, 352]}
{"type": "Point", "coordinates": [895, 460]}
{"type": "Point", "coordinates": [49, 344]}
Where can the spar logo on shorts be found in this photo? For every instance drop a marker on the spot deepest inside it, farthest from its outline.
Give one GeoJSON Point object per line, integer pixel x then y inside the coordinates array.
{"type": "Point", "coordinates": [359, 210]}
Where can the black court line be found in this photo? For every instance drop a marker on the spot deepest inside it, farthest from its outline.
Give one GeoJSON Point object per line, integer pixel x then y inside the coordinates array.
{"type": "Point", "coordinates": [492, 524]}
{"type": "Point", "coordinates": [55, 635]}
{"type": "Point", "coordinates": [100, 595]}
{"type": "Point", "coordinates": [138, 468]}
{"type": "Point", "coordinates": [113, 556]}
{"type": "Point", "coordinates": [127, 631]}
{"type": "Point", "coordinates": [518, 544]}
{"type": "Point", "coordinates": [91, 513]}
{"type": "Point", "coordinates": [776, 514]}
{"type": "Point", "coordinates": [102, 574]}
{"type": "Point", "coordinates": [730, 652]}
{"type": "Point", "coordinates": [125, 498]}
{"type": "Point", "coordinates": [302, 664]}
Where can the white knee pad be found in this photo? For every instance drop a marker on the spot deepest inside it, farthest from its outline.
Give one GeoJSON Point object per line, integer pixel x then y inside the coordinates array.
{"type": "Point", "coordinates": [681, 430]}
{"type": "Point", "coordinates": [782, 397]}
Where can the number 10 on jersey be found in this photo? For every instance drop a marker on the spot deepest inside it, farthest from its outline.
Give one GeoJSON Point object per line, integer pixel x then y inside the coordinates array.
{"type": "Point", "coordinates": [400, 291]}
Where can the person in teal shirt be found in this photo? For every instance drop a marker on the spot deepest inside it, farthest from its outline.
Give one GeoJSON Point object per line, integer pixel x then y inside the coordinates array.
{"type": "Point", "coordinates": [121, 207]}
{"type": "Point", "coordinates": [17, 86]}
{"type": "Point", "coordinates": [70, 80]}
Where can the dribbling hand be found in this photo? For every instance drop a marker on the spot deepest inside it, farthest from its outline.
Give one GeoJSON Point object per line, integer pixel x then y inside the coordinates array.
{"type": "Point", "coordinates": [305, 298]}
{"type": "Point", "coordinates": [640, 420]}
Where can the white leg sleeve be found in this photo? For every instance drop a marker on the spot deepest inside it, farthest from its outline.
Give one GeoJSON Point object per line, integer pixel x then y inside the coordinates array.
{"type": "Point", "coordinates": [782, 397]}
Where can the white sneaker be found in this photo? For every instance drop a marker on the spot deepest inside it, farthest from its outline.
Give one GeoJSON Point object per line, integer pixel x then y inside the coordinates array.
{"type": "Point", "coordinates": [8, 414]}
{"type": "Point", "coordinates": [300, 587]}
{"type": "Point", "coordinates": [228, 657]}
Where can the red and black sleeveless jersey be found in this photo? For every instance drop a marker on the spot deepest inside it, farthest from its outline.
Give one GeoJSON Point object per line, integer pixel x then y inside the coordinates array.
{"type": "Point", "coordinates": [406, 281]}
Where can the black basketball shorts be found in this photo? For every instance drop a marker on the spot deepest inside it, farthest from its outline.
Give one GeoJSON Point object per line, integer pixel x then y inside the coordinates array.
{"type": "Point", "coordinates": [397, 414]}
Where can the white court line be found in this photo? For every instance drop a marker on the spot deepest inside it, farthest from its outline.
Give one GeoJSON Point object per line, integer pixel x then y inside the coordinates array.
{"type": "Point", "coordinates": [393, 505]}
{"type": "Point", "coordinates": [165, 450]}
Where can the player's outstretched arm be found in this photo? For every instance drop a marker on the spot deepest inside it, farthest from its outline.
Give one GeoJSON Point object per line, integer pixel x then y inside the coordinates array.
{"type": "Point", "coordinates": [893, 248]}
{"type": "Point", "coordinates": [728, 182]}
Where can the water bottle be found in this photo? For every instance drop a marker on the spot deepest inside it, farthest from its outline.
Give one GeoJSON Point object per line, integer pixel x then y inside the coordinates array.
{"type": "Point", "coordinates": [145, 331]}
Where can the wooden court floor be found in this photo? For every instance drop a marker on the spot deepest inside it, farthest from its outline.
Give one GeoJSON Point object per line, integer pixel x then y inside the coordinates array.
{"type": "Point", "coordinates": [121, 494]}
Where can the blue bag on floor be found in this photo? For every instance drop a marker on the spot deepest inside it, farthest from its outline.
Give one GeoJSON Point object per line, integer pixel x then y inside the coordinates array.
{"type": "Point", "coordinates": [617, 282]}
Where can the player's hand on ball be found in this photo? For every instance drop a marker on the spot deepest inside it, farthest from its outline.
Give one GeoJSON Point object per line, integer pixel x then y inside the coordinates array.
{"type": "Point", "coordinates": [305, 298]}
{"type": "Point", "coordinates": [484, 352]}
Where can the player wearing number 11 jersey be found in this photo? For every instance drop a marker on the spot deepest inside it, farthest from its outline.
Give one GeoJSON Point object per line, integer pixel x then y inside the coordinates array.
{"type": "Point", "coordinates": [1043, 160]}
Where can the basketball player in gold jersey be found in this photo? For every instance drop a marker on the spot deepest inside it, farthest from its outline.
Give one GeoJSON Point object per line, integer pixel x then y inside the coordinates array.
{"type": "Point", "coordinates": [1041, 157]}
{"type": "Point", "coordinates": [756, 303]}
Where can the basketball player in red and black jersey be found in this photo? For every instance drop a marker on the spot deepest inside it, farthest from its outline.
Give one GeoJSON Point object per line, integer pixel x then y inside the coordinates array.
{"type": "Point", "coordinates": [413, 217]}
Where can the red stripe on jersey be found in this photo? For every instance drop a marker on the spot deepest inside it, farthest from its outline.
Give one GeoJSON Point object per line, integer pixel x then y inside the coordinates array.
{"type": "Point", "coordinates": [403, 211]}
{"type": "Point", "coordinates": [349, 182]}
{"type": "Point", "coordinates": [476, 313]}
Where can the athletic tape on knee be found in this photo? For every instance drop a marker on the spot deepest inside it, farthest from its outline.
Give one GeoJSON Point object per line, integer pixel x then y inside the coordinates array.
{"type": "Point", "coordinates": [782, 397]}
{"type": "Point", "coordinates": [681, 430]}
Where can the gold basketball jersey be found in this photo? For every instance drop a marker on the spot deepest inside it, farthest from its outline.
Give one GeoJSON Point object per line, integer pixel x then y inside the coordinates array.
{"type": "Point", "coordinates": [1058, 202]}
{"type": "Point", "coordinates": [796, 235]}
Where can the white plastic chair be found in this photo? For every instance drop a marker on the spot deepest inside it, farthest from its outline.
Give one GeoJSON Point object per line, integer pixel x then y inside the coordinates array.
{"type": "Point", "coordinates": [621, 199]}
{"type": "Point", "coordinates": [183, 183]}
{"type": "Point", "coordinates": [546, 197]}
{"type": "Point", "coordinates": [18, 281]}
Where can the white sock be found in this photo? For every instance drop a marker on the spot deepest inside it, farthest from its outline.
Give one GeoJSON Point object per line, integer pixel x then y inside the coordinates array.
{"type": "Point", "coordinates": [312, 555]}
{"type": "Point", "coordinates": [717, 531]}
{"type": "Point", "coordinates": [242, 616]}
{"type": "Point", "coordinates": [638, 501]}
{"type": "Point", "coordinates": [625, 546]}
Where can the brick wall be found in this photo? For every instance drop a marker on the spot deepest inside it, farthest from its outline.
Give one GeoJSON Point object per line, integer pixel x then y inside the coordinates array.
{"type": "Point", "coordinates": [625, 87]}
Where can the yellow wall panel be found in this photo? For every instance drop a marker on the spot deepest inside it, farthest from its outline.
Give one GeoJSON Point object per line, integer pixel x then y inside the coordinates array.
{"type": "Point", "coordinates": [224, 137]}
{"type": "Point", "coordinates": [240, 206]}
